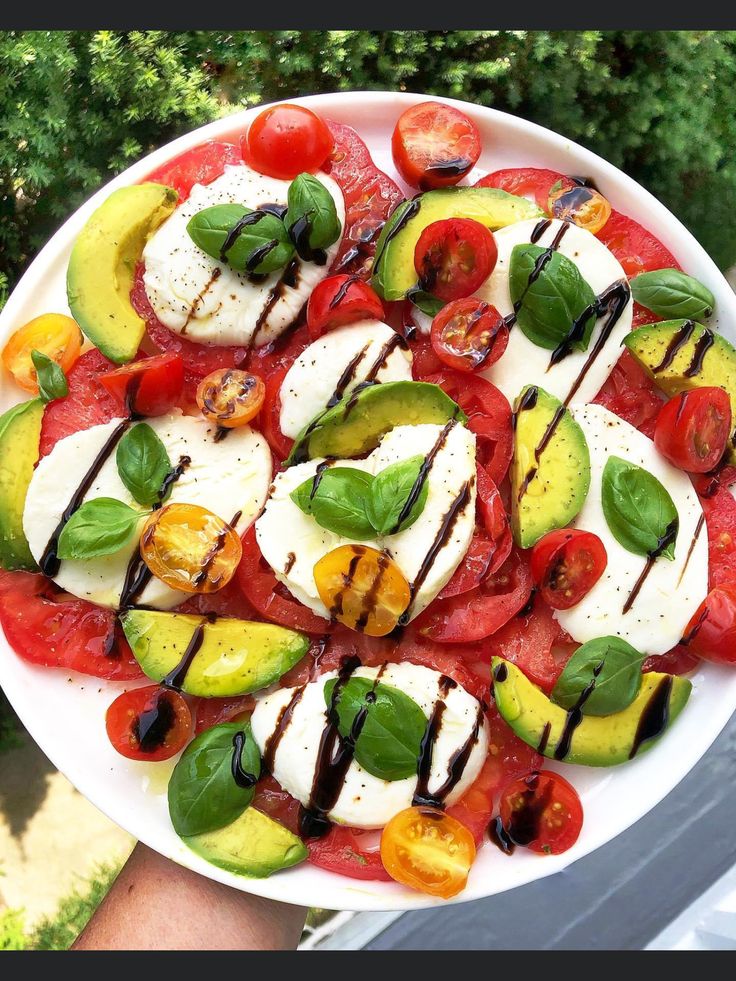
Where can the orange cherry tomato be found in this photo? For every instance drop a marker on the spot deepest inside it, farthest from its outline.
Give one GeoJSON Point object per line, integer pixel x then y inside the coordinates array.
{"type": "Point", "coordinates": [362, 588]}
{"type": "Point", "coordinates": [583, 206]}
{"type": "Point", "coordinates": [426, 849]}
{"type": "Point", "coordinates": [54, 334]}
{"type": "Point", "coordinates": [230, 397]}
{"type": "Point", "coordinates": [190, 548]}
{"type": "Point", "coordinates": [150, 723]}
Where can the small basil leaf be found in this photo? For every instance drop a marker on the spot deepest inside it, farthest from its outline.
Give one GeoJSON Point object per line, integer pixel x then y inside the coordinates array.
{"type": "Point", "coordinates": [50, 375]}
{"type": "Point", "coordinates": [431, 305]}
{"type": "Point", "coordinates": [337, 500]}
{"type": "Point", "coordinates": [143, 463]}
{"type": "Point", "coordinates": [390, 493]}
{"type": "Point", "coordinates": [261, 245]}
{"type": "Point", "coordinates": [390, 741]}
{"type": "Point", "coordinates": [311, 218]}
{"type": "Point", "coordinates": [612, 664]}
{"type": "Point", "coordinates": [203, 794]}
{"type": "Point", "coordinates": [99, 527]}
{"type": "Point", "coordinates": [550, 301]}
{"type": "Point", "coordinates": [673, 294]}
{"type": "Point", "coordinates": [638, 509]}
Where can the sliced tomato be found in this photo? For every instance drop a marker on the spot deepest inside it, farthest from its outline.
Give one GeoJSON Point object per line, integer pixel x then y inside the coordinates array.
{"type": "Point", "coordinates": [149, 387]}
{"type": "Point", "coordinates": [542, 812]}
{"type": "Point", "coordinates": [270, 418]}
{"type": "Point", "coordinates": [434, 145]}
{"type": "Point", "coordinates": [350, 851]}
{"type": "Point", "coordinates": [424, 357]}
{"type": "Point", "coordinates": [508, 756]}
{"type": "Point", "coordinates": [469, 334]}
{"type": "Point", "coordinates": [212, 711]}
{"type": "Point", "coordinates": [151, 723]}
{"type": "Point", "coordinates": [273, 800]}
{"type": "Point", "coordinates": [632, 395]}
{"type": "Point", "coordinates": [720, 520]}
{"type": "Point", "coordinates": [475, 807]}
{"type": "Point", "coordinates": [453, 257]}
{"type": "Point", "coordinates": [533, 640]}
{"type": "Point", "coordinates": [692, 429]}
{"type": "Point", "coordinates": [47, 627]}
{"type": "Point", "coordinates": [680, 660]}
{"type": "Point", "coordinates": [340, 300]}
{"type": "Point", "coordinates": [566, 564]}
{"type": "Point", "coordinates": [711, 633]}
{"type": "Point", "coordinates": [226, 602]}
{"type": "Point", "coordinates": [200, 165]}
{"type": "Point", "coordinates": [527, 182]}
{"type": "Point", "coordinates": [634, 246]}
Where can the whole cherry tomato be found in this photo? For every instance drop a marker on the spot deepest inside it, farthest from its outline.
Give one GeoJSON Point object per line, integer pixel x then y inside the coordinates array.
{"type": "Point", "coordinates": [286, 140]}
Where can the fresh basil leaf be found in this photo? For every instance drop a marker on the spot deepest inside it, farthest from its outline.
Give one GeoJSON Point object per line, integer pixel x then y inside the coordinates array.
{"type": "Point", "coordinates": [311, 218]}
{"type": "Point", "coordinates": [99, 527]}
{"type": "Point", "coordinates": [337, 500]}
{"type": "Point", "coordinates": [673, 294]}
{"type": "Point", "coordinates": [390, 741]}
{"type": "Point", "coordinates": [50, 375]}
{"type": "Point", "coordinates": [203, 794]}
{"type": "Point", "coordinates": [612, 664]}
{"type": "Point", "coordinates": [431, 305]}
{"type": "Point", "coordinates": [143, 463]}
{"type": "Point", "coordinates": [390, 494]}
{"type": "Point", "coordinates": [638, 509]}
{"type": "Point", "coordinates": [262, 244]}
{"type": "Point", "coordinates": [549, 305]}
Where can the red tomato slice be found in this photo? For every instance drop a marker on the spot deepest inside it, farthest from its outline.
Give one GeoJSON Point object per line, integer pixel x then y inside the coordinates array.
{"type": "Point", "coordinates": [454, 257]}
{"type": "Point", "coordinates": [469, 334]}
{"type": "Point", "coordinates": [475, 807]}
{"type": "Point", "coordinates": [720, 520]}
{"type": "Point", "coordinates": [149, 387]}
{"type": "Point", "coordinates": [200, 165]}
{"type": "Point", "coordinates": [270, 417]}
{"type": "Point", "coordinates": [711, 633]}
{"type": "Point", "coordinates": [542, 812]}
{"type": "Point", "coordinates": [350, 851]}
{"type": "Point", "coordinates": [226, 602]}
{"type": "Point", "coordinates": [526, 182]}
{"type": "Point", "coordinates": [692, 429]}
{"type": "Point", "coordinates": [632, 395]}
{"type": "Point", "coordinates": [212, 711]}
{"type": "Point", "coordinates": [48, 627]}
{"type": "Point", "coordinates": [434, 145]}
{"type": "Point", "coordinates": [340, 300]}
{"type": "Point", "coordinates": [151, 723]}
{"type": "Point", "coordinates": [273, 800]}
{"type": "Point", "coordinates": [680, 660]}
{"type": "Point", "coordinates": [635, 248]}
{"type": "Point", "coordinates": [424, 357]}
{"type": "Point", "coordinates": [508, 756]}
{"type": "Point", "coordinates": [535, 642]}
{"type": "Point", "coordinates": [566, 564]}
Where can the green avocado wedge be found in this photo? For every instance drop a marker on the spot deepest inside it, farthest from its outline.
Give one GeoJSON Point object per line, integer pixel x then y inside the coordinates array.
{"type": "Point", "coordinates": [604, 740]}
{"type": "Point", "coordinates": [211, 658]}
{"type": "Point", "coordinates": [20, 431]}
{"type": "Point", "coordinates": [102, 266]}
{"type": "Point", "coordinates": [254, 845]}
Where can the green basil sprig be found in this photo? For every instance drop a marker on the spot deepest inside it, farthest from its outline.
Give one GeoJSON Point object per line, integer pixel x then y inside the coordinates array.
{"type": "Point", "coordinates": [390, 493]}
{"type": "Point", "coordinates": [50, 376]}
{"type": "Point", "coordinates": [638, 508]}
{"type": "Point", "coordinates": [203, 794]}
{"type": "Point", "coordinates": [261, 245]}
{"type": "Point", "coordinates": [614, 666]}
{"type": "Point", "coordinates": [547, 306]}
{"type": "Point", "coordinates": [673, 294]}
{"type": "Point", "coordinates": [311, 218]}
{"type": "Point", "coordinates": [143, 463]}
{"type": "Point", "coordinates": [390, 741]}
{"type": "Point", "coordinates": [99, 527]}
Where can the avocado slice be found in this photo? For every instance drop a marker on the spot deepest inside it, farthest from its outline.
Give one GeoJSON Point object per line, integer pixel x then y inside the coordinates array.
{"type": "Point", "coordinates": [102, 266]}
{"type": "Point", "coordinates": [253, 845]}
{"type": "Point", "coordinates": [20, 431]}
{"type": "Point", "coordinates": [356, 424]}
{"type": "Point", "coordinates": [393, 269]}
{"type": "Point", "coordinates": [598, 740]}
{"type": "Point", "coordinates": [550, 472]}
{"type": "Point", "coordinates": [680, 355]}
{"type": "Point", "coordinates": [224, 656]}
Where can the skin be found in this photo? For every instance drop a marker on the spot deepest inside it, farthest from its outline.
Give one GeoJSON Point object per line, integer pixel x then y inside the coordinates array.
{"type": "Point", "coordinates": [155, 904]}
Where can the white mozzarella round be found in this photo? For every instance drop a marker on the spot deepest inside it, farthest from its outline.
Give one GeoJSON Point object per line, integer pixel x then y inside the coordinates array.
{"type": "Point", "coordinates": [525, 363]}
{"type": "Point", "coordinates": [207, 301]}
{"type": "Point", "coordinates": [367, 801]}
{"type": "Point", "coordinates": [349, 354]}
{"type": "Point", "coordinates": [673, 590]}
{"type": "Point", "coordinates": [225, 477]}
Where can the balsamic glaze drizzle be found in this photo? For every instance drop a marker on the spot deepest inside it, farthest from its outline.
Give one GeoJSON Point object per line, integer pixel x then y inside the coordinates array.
{"type": "Point", "coordinates": [422, 796]}
{"type": "Point", "coordinates": [176, 677]}
{"type": "Point", "coordinates": [152, 726]}
{"type": "Point", "coordinates": [653, 720]}
{"type": "Point", "coordinates": [669, 536]}
{"type": "Point", "coordinates": [421, 478]}
{"type": "Point", "coordinates": [575, 717]}
{"type": "Point", "coordinates": [241, 777]}
{"type": "Point", "coordinates": [678, 340]}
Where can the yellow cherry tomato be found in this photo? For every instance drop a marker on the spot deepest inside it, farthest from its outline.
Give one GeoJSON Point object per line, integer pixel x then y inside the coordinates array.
{"type": "Point", "coordinates": [230, 397]}
{"type": "Point", "coordinates": [54, 334]}
{"type": "Point", "coordinates": [425, 849]}
{"type": "Point", "coordinates": [362, 588]}
{"type": "Point", "coordinates": [190, 548]}
{"type": "Point", "coordinates": [583, 206]}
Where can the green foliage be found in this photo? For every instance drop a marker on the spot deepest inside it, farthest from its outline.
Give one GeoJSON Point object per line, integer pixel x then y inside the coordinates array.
{"type": "Point", "coordinates": [9, 728]}
{"type": "Point", "coordinates": [12, 934]}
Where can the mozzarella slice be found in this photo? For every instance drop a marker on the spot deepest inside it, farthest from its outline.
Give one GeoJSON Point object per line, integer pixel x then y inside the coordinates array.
{"type": "Point", "coordinates": [332, 367]}
{"type": "Point", "coordinates": [523, 362]}
{"type": "Point", "coordinates": [367, 801]}
{"type": "Point", "coordinates": [205, 300]}
{"type": "Point", "coordinates": [227, 477]}
{"type": "Point", "coordinates": [292, 542]}
{"type": "Point", "coordinates": [673, 590]}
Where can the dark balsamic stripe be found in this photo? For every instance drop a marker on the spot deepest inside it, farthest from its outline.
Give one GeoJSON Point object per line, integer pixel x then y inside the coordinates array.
{"type": "Point", "coordinates": [421, 478]}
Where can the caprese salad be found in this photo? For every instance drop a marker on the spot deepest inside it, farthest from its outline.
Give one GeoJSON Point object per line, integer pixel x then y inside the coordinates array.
{"type": "Point", "coordinates": [371, 503]}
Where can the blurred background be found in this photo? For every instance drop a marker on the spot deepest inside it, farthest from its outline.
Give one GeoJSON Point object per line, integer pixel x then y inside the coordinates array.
{"type": "Point", "coordinates": [78, 107]}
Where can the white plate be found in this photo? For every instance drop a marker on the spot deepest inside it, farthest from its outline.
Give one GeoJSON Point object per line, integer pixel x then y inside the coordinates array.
{"type": "Point", "coordinates": [65, 715]}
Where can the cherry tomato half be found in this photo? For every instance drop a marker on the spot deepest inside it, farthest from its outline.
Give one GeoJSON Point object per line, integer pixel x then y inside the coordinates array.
{"type": "Point", "coordinates": [566, 564]}
{"type": "Point", "coordinates": [149, 387]}
{"type": "Point", "coordinates": [469, 334]}
{"type": "Point", "coordinates": [454, 257]}
{"type": "Point", "coordinates": [427, 850]}
{"type": "Point", "coordinates": [150, 723]}
{"type": "Point", "coordinates": [711, 634]}
{"type": "Point", "coordinates": [340, 300]}
{"type": "Point", "coordinates": [693, 427]}
{"type": "Point", "coordinates": [581, 205]}
{"type": "Point", "coordinates": [53, 334]}
{"type": "Point", "coordinates": [542, 812]}
{"type": "Point", "coordinates": [230, 397]}
{"type": "Point", "coordinates": [286, 140]}
{"type": "Point", "coordinates": [434, 145]}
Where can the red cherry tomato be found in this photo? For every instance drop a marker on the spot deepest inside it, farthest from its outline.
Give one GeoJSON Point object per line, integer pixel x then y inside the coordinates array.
{"type": "Point", "coordinates": [434, 145]}
{"type": "Point", "coordinates": [286, 140]}
{"type": "Point", "coordinates": [634, 246]}
{"type": "Point", "coordinates": [454, 257]}
{"type": "Point", "coordinates": [340, 300]}
{"type": "Point", "coordinates": [631, 394]}
{"type": "Point", "coordinates": [542, 812]}
{"type": "Point", "coordinates": [566, 564]}
{"type": "Point", "coordinates": [527, 182]}
{"type": "Point", "coordinates": [693, 428]}
{"type": "Point", "coordinates": [200, 165]}
{"type": "Point", "coordinates": [534, 640]}
{"type": "Point", "coordinates": [149, 387]}
{"type": "Point", "coordinates": [711, 634]}
{"type": "Point", "coordinates": [150, 723]}
{"type": "Point", "coordinates": [469, 334]}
